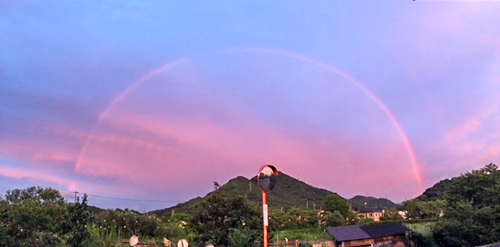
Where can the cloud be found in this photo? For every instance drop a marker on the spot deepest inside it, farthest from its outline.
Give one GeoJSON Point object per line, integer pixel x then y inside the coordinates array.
{"type": "Point", "coordinates": [220, 151]}
{"type": "Point", "coordinates": [38, 176]}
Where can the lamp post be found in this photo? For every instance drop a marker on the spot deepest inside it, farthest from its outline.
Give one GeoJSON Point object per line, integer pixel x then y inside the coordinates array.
{"type": "Point", "coordinates": [266, 179]}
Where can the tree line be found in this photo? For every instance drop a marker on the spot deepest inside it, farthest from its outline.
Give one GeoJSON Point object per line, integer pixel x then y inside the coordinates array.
{"type": "Point", "coordinates": [466, 213]}
{"type": "Point", "coordinates": [38, 216]}
{"type": "Point", "coordinates": [465, 209]}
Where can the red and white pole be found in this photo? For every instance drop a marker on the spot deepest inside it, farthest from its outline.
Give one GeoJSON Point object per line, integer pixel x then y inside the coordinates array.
{"type": "Point", "coordinates": [266, 217]}
{"type": "Point", "coordinates": [266, 179]}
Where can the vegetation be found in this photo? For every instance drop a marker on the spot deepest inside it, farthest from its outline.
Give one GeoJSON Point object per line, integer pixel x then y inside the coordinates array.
{"type": "Point", "coordinates": [417, 209]}
{"type": "Point", "coordinates": [436, 192]}
{"type": "Point", "coordinates": [423, 233]}
{"type": "Point", "coordinates": [463, 211]}
{"type": "Point", "coordinates": [222, 220]}
{"type": "Point", "coordinates": [38, 216]}
{"type": "Point", "coordinates": [466, 209]}
{"type": "Point", "coordinates": [392, 216]}
{"type": "Point", "coordinates": [307, 234]}
{"type": "Point", "coordinates": [358, 202]}
{"type": "Point", "coordinates": [304, 195]}
{"type": "Point", "coordinates": [32, 217]}
{"type": "Point", "coordinates": [472, 213]}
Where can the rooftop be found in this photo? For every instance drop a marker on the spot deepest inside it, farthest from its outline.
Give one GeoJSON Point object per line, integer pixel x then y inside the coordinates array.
{"type": "Point", "coordinates": [347, 233]}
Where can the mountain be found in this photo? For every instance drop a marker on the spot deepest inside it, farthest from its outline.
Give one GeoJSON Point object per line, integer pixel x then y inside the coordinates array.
{"type": "Point", "coordinates": [358, 202]}
{"type": "Point", "coordinates": [436, 191]}
{"type": "Point", "coordinates": [288, 192]}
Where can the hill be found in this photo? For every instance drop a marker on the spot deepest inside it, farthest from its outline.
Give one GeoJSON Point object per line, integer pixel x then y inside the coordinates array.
{"type": "Point", "coordinates": [289, 192]}
{"type": "Point", "coordinates": [358, 202]}
{"type": "Point", "coordinates": [436, 191]}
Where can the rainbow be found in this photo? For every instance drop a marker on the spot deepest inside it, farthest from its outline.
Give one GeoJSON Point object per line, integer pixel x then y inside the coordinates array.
{"type": "Point", "coordinates": [352, 80]}
{"type": "Point", "coordinates": [119, 98]}
{"type": "Point", "coordinates": [406, 141]}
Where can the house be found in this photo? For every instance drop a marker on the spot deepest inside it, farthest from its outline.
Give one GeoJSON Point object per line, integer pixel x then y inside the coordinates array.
{"type": "Point", "coordinates": [387, 235]}
{"type": "Point", "coordinates": [373, 214]}
{"type": "Point", "coordinates": [403, 214]}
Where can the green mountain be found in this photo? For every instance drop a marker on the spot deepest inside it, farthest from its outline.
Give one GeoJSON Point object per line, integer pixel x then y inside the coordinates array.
{"type": "Point", "coordinates": [436, 191]}
{"type": "Point", "coordinates": [288, 192]}
{"type": "Point", "coordinates": [358, 202]}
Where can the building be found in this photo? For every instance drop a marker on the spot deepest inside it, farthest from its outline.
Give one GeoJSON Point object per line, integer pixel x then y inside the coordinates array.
{"type": "Point", "coordinates": [386, 235]}
{"type": "Point", "coordinates": [373, 214]}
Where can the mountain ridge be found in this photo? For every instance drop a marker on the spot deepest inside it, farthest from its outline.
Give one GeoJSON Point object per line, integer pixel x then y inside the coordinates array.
{"type": "Point", "coordinates": [289, 192]}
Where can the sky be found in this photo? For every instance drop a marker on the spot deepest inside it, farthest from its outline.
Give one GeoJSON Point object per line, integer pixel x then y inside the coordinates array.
{"type": "Point", "coordinates": [144, 104]}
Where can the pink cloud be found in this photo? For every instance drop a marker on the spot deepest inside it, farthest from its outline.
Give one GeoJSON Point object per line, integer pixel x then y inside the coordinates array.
{"type": "Point", "coordinates": [38, 176]}
{"type": "Point", "coordinates": [200, 150]}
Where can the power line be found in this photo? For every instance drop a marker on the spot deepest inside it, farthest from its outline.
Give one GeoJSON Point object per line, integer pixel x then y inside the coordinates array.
{"type": "Point", "coordinates": [131, 199]}
{"type": "Point", "coordinates": [115, 198]}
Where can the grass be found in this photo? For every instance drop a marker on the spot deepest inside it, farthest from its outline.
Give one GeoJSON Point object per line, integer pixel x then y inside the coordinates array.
{"type": "Point", "coordinates": [308, 234]}
{"type": "Point", "coordinates": [424, 231]}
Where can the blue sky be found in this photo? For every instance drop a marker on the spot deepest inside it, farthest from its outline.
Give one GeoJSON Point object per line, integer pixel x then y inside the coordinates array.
{"type": "Point", "coordinates": [156, 100]}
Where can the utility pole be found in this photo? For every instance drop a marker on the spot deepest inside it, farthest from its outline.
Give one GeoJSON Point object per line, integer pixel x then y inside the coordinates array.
{"type": "Point", "coordinates": [76, 195]}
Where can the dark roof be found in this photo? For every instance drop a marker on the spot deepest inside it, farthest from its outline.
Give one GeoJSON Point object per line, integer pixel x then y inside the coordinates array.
{"type": "Point", "coordinates": [346, 233]}
{"type": "Point", "coordinates": [371, 210]}
{"type": "Point", "coordinates": [343, 233]}
{"type": "Point", "coordinates": [376, 231]}
{"type": "Point", "coordinates": [491, 245]}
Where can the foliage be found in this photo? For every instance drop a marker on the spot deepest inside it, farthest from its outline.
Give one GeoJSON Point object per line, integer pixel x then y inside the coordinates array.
{"type": "Point", "coordinates": [125, 223]}
{"type": "Point", "coordinates": [178, 218]}
{"type": "Point", "coordinates": [336, 203]}
{"type": "Point", "coordinates": [288, 193]}
{"type": "Point", "coordinates": [295, 218]}
{"type": "Point", "coordinates": [302, 234]}
{"type": "Point", "coordinates": [334, 218]}
{"type": "Point", "coordinates": [391, 215]}
{"type": "Point", "coordinates": [358, 202]}
{"type": "Point", "coordinates": [472, 214]}
{"type": "Point", "coordinates": [217, 214]}
{"type": "Point", "coordinates": [302, 218]}
{"type": "Point", "coordinates": [32, 217]}
{"type": "Point", "coordinates": [362, 220]}
{"type": "Point", "coordinates": [279, 219]}
{"type": "Point", "coordinates": [241, 237]}
{"type": "Point", "coordinates": [34, 194]}
{"type": "Point", "coordinates": [436, 192]}
{"type": "Point", "coordinates": [79, 218]}
{"type": "Point", "coordinates": [424, 209]}
{"type": "Point", "coordinates": [422, 233]}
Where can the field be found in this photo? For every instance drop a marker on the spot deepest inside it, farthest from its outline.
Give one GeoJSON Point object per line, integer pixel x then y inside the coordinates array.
{"type": "Point", "coordinates": [310, 234]}
{"type": "Point", "coordinates": [424, 231]}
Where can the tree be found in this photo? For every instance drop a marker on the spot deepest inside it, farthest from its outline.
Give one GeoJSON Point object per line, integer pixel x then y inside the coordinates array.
{"type": "Point", "coordinates": [279, 219]}
{"type": "Point", "coordinates": [472, 213]}
{"type": "Point", "coordinates": [391, 215]}
{"type": "Point", "coordinates": [424, 209]}
{"type": "Point", "coordinates": [79, 217]}
{"type": "Point", "coordinates": [336, 203]}
{"type": "Point", "coordinates": [240, 237]}
{"type": "Point", "coordinates": [32, 217]}
{"type": "Point", "coordinates": [217, 214]}
{"type": "Point", "coordinates": [334, 218]}
{"type": "Point", "coordinates": [301, 218]}
{"type": "Point", "coordinates": [34, 194]}
{"type": "Point", "coordinates": [216, 185]}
